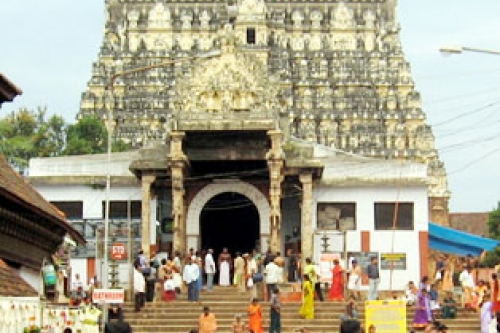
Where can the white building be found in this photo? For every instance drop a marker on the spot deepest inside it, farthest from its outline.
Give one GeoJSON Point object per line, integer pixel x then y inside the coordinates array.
{"type": "Point", "coordinates": [353, 193]}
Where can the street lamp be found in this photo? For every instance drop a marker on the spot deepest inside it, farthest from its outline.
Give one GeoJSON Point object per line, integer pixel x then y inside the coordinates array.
{"type": "Point", "coordinates": [110, 126]}
{"type": "Point", "coordinates": [449, 50]}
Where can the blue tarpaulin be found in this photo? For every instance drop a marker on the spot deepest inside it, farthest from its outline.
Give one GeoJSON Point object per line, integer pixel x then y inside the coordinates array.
{"type": "Point", "coordinates": [458, 242]}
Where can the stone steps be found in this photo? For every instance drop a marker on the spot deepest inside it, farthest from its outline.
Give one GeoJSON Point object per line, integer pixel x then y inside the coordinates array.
{"type": "Point", "coordinates": [181, 316]}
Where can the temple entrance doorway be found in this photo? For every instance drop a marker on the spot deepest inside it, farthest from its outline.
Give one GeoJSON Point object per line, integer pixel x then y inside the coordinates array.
{"type": "Point", "coordinates": [231, 220]}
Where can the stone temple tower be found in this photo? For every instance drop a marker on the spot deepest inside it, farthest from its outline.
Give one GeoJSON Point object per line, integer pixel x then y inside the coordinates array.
{"type": "Point", "coordinates": [341, 76]}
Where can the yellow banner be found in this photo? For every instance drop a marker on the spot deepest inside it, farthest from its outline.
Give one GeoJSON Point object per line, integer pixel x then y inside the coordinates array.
{"type": "Point", "coordinates": [386, 316]}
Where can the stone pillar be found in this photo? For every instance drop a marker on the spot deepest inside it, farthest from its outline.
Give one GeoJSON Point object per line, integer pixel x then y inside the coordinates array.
{"type": "Point", "coordinates": [177, 168]}
{"type": "Point", "coordinates": [306, 216]}
{"type": "Point", "coordinates": [146, 181]}
{"type": "Point", "coordinates": [275, 157]}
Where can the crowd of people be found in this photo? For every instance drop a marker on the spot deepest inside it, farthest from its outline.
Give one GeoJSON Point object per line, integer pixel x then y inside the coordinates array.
{"type": "Point", "coordinates": [196, 271]}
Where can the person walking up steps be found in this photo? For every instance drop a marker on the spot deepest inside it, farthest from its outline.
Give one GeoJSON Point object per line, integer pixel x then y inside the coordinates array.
{"type": "Point", "coordinates": [275, 312]}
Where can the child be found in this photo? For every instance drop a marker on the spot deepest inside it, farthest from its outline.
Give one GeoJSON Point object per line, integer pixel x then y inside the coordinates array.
{"type": "Point", "coordinates": [350, 310]}
{"type": "Point", "coordinates": [239, 325]}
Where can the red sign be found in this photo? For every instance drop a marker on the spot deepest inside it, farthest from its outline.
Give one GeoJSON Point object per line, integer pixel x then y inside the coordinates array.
{"type": "Point", "coordinates": [108, 296]}
{"type": "Point", "coordinates": [118, 251]}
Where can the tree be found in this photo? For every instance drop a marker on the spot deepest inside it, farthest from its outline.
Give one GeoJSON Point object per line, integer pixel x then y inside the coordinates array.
{"type": "Point", "coordinates": [492, 258]}
{"type": "Point", "coordinates": [23, 135]}
{"type": "Point", "coordinates": [494, 222]}
{"type": "Point", "coordinates": [90, 136]}
{"type": "Point", "coordinates": [87, 136]}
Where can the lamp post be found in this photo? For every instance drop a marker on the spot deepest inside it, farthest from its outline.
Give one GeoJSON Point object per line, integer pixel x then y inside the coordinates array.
{"type": "Point", "coordinates": [449, 50]}
{"type": "Point", "coordinates": [110, 126]}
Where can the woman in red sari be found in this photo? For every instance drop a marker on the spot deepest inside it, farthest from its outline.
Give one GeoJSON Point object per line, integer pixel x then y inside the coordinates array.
{"type": "Point", "coordinates": [495, 285]}
{"type": "Point", "coordinates": [337, 289]}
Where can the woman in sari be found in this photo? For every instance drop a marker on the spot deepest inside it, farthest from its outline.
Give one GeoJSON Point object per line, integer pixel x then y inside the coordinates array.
{"type": "Point", "coordinates": [486, 314]}
{"type": "Point", "coordinates": [447, 281]}
{"type": "Point", "coordinates": [495, 288]}
{"type": "Point", "coordinates": [254, 311]}
{"type": "Point", "coordinates": [337, 289]}
{"type": "Point", "coordinates": [168, 288]}
{"type": "Point", "coordinates": [307, 308]}
{"type": "Point", "coordinates": [423, 311]}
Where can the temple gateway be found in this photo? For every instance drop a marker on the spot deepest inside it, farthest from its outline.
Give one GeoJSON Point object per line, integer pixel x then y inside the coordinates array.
{"type": "Point", "coordinates": [257, 124]}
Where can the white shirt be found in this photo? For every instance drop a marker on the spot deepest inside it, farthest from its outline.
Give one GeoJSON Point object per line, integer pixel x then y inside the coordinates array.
{"type": "Point", "coordinates": [191, 273]}
{"type": "Point", "coordinates": [139, 282]}
{"type": "Point", "coordinates": [169, 285]}
{"type": "Point", "coordinates": [274, 273]}
{"type": "Point", "coordinates": [209, 264]}
{"type": "Point", "coordinates": [466, 279]}
{"type": "Point", "coordinates": [251, 266]}
{"type": "Point", "coordinates": [76, 285]}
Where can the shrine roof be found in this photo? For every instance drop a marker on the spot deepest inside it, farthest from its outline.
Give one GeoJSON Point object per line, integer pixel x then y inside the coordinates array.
{"type": "Point", "coordinates": [8, 91]}
{"type": "Point", "coordinates": [15, 188]}
{"type": "Point", "coordinates": [12, 284]}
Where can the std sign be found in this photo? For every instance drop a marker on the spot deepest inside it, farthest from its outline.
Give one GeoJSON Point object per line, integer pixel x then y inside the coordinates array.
{"type": "Point", "coordinates": [108, 296]}
{"type": "Point", "coordinates": [118, 251]}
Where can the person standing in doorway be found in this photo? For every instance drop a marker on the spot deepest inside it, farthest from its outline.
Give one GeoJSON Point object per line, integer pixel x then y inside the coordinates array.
{"type": "Point", "coordinates": [239, 272]}
{"type": "Point", "coordinates": [292, 266]}
{"type": "Point", "coordinates": [190, 275]}
{"type": "Point", "coordinates": [373, 278]}
{"type": "Point", "coordinates": [139, 288]}
{"type": "Point", "coordinates": [224, 263]}
{"type": "Point", "coordinates": [210, 269]}
{"type": "Point", "coordinates": [312, 273]}
{"type": "Point", "coordinates": [275, 312]}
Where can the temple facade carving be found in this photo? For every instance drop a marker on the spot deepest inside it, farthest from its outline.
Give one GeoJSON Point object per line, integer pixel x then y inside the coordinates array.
{"type": "Point", "coordinates": [329, 73]}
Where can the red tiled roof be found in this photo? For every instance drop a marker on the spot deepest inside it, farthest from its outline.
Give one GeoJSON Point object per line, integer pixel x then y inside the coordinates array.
{"type": "Point", "coordinates": [12, 284]}
{"type": "Point", "coordinates": [7, 90]}
{"type": "Point", "coordinates": [473, 223]}
{"type": "Point", "coordinates": [17, 189]}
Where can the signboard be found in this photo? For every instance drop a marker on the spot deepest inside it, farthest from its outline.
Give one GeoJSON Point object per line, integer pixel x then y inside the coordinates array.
{"type": "Point", "coordinates": [326, 266]}
{"type": "Point", "coordinates": [108, 296]}
{"type": "Point", "coordinates": [118, 251]}
{"type": "Point", "coordinates": [364, 259]}
{"type": "Point", "coordinates": [385, 316]}
{"type": "Point", "coordinates": [396, 260]}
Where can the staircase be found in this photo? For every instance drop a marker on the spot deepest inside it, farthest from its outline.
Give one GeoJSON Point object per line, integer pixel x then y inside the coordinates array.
{"type": "Point", "coordinates": [181, 316]}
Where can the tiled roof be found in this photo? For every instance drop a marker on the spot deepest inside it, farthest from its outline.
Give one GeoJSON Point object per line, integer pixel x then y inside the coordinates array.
{"type": "Point", "coordinates": [17, 189]}
{"type": "Point", "coordinates": [7, 90]}
{"type": "Point", "coordinates": [473, 223]}
{"type": "Point", "coordinates": [12, 284]}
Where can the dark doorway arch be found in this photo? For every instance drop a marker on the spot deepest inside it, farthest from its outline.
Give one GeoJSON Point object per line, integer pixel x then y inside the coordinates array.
{"type": "Point", "coordinates": [229, 220]}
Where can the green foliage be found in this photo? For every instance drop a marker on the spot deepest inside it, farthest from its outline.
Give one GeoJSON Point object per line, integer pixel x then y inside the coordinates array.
{"type": "Point", "coordinates": [119, 146]}
{"type": "Point", "coordinates": [492, 258]}
{"type": "Point", "coordinates": [87, 136]}
{"type": "Point", "coordinates": [494, 222]}
{"type": "Point", "coordinates": [25, 134]}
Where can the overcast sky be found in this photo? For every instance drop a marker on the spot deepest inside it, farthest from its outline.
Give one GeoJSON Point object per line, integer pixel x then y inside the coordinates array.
{"type": "Point", "coordinates": [48, 47]}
